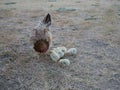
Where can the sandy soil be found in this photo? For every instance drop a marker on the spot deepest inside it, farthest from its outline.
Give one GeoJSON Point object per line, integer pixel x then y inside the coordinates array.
{"type": "Point", "coordinates": [92, 26]}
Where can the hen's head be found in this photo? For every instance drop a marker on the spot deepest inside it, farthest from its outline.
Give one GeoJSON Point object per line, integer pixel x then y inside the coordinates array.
{"type": "Point", "coordinates": [43, 35]}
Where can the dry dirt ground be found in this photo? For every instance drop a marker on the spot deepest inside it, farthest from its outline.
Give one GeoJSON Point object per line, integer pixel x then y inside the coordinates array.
{"type": "Point", "coordinates": [92, 26]}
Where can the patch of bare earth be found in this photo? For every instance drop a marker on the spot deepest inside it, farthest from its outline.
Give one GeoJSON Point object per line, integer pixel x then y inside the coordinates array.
{"type": "Point", "coordinates": [92, 26]}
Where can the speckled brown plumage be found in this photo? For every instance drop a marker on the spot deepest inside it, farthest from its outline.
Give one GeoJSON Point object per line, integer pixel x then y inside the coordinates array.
{"type": "Point", "coordinates": [41, 46]}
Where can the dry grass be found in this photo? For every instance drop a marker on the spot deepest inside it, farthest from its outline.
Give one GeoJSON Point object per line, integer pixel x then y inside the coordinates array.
{"type": "Point", "coordinates": [91, 26]}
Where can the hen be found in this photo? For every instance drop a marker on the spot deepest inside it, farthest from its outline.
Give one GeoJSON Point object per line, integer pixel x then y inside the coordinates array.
{"type": "Point", "coordinates": [42, 37]}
